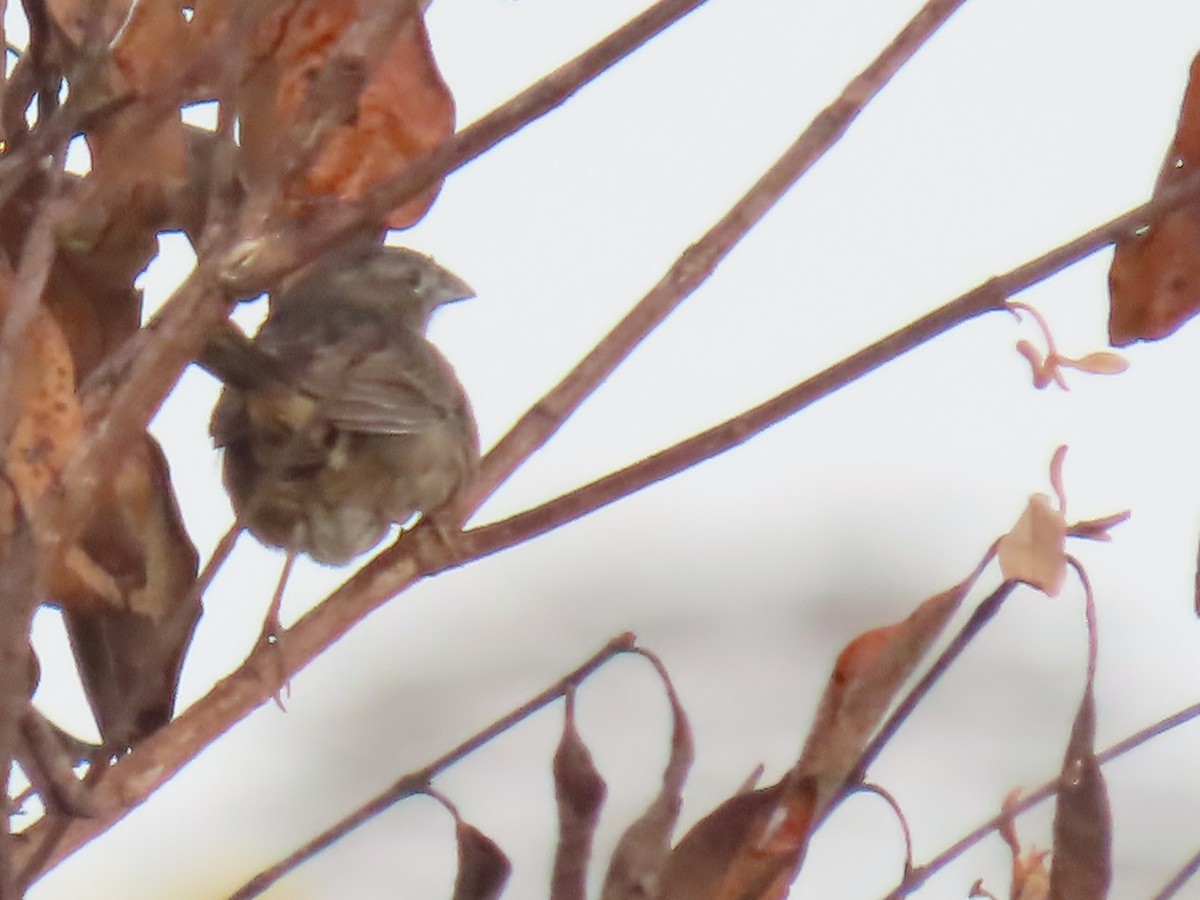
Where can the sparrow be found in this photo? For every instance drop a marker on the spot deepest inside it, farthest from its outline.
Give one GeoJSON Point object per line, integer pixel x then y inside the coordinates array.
{"type": "Point", "coordinates": [339, 418]}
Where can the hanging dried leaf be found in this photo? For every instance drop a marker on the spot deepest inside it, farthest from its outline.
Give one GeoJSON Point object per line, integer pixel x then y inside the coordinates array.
{"type": "Point", "coordinates": [633, 872]}
{"type": "Point", "coordinates": [404, 110]}
{"type": "Point", "coordinates": [1034, 552]}
{"type": "Point", "coordinates": [51, 420]}
{"type": "Point", "coordinates": [1082, 861]}
{"type": "Point", "coordinates": [483, 869]}
{"type": "Point", "coordinates": [580, 792]}
{"type": "Point", "coordinates": [1154, 280]}
{"type": "Point", "coordinates": [865, 679]}
{"type": "Point", "coordinates": [130, 656]}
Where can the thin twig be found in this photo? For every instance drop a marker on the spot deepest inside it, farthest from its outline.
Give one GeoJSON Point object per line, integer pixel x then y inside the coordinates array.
{"type": "Point", "coordinates": [898, 812]}
{"type": "Point", "coordinates": [417, 782]}
{"type": "Point", "coordinates": [1179, 879]}
{"type": "Point", "coordinates": [983, 614]}
{"type": "Point", "coordinates": [698, 262]}
{"type": "Point", "coordinates": [990, 296]}
{"type": "Point", "coordinates": [294, 243]}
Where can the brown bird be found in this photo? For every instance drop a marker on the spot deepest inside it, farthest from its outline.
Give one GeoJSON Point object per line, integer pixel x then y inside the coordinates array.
{"type": "Point", "coordinates": [339, 418]}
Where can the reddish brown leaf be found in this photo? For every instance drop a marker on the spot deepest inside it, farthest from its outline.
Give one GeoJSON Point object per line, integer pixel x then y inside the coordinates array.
{"type": "Point", "coordinates": [580, 792]}
{"type": "Point", "coordinates": [636, 863]}
{"type": "Point", "coordinates": [1154, 280]}
{"type": "Point", "coordinates": [1082, 862]}
{"type": "Point", "coordinates": [483, 869]}
{"type": "Point", "coordinates": [404, 110]}
{"type": "Point", "coordinates": [748, 848]}
{"type": "Point", "coordinates": [865, 679]}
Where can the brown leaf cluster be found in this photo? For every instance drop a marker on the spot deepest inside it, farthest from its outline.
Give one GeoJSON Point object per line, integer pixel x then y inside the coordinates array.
{"type": "Point", "coordinates": [118, 73]}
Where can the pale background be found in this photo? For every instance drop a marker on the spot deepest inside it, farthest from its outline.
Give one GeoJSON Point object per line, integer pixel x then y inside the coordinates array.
{"type": "Point", "coordinates": [1021, 124]}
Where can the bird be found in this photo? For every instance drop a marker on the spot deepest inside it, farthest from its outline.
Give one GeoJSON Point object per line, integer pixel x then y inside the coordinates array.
{"type": "Point", "coordinates": [339, 418]}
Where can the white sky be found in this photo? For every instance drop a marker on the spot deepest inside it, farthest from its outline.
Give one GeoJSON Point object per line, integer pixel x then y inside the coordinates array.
{"type": "Point", "coordinates": [1021, 124]}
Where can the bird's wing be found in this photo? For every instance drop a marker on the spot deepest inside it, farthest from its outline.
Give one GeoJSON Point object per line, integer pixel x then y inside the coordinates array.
{"type": "Point", "coordinates": [399, 386]}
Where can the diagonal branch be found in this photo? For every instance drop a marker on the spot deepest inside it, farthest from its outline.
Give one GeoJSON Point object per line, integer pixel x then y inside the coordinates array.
{"type": "Point", "coordinates": [990, 296]}
{"type": "Point", "coordinates": [698, 261]}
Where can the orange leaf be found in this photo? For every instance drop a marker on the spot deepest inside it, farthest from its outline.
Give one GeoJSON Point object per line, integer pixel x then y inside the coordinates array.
{"type": "Point", "coordinates": [865, 679]}
{"type": "Point", "coordinates": [404, 110]}
{"type": "Point", "coordinates": [1154, 280]}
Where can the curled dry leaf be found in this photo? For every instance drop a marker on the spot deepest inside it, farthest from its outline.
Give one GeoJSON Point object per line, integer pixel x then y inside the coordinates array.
{"type": "Point", "coordinates": [633, 873]}
{"type": "Point", "coordinates": [404, 110]}
{"type": "Point", "coordinates": [1082, 862]}
{"type": "Point", "coordinates": [130, 657]}
{"type": "Point", "coordinates": [748, 848]}
{"type": "Point", "coordinates": [483, 869]}
{"type": "Point", "coordinates": [865, 679]}
{"type": "Point", "coordinates": [580, 792]}
{"type": "Point", "coordinates": [1034, 552]}
{"type": "Point", "coordinates": [1154, 280]}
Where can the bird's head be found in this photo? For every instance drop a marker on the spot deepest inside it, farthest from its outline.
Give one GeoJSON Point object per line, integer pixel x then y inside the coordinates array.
{"type": "Point", "coordinates": [386, 281]}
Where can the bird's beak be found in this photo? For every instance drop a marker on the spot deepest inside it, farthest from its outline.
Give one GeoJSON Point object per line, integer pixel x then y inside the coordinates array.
{"type": "Point", "coordinates": [454, 288]}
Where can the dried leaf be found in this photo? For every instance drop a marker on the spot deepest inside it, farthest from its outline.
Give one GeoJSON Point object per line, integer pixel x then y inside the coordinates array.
{"type": "Point", "coordinates": [1154, 280]}
{"type": "Point", "coordinates": [1034, 552]}
{"type": "Point", "coordinates": [129, 657]}
{"type": "Point", "coordinates": [580, 792]}
{"type": "Point", "coordinates": [748, 848]}
{"type": "Point", "coordinates": [865, 679]}
{"type": "Point", "coordinates": [1082, 862]}
{"type": "Point", "coordinates": [634, 870]}
{"type": "Point", "coordinates": [51, 420]}
{"type": "Point", "coordinates": [403, 111]}
{"type": "Point", "coordinates": [483, 869]}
